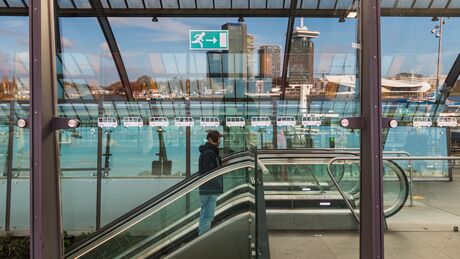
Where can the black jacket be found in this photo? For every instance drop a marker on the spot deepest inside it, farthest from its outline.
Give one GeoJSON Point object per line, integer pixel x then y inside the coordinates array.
{"type": "Point", "coordinates": [209, 160]}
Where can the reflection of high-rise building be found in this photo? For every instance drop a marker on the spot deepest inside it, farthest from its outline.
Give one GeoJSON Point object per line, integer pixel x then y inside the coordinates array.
{"type": "Point", "coordinates": [250, 55]}
{"type": "Point", "coordinates": [234, 64]}
{"type": "Point", "coordinates": [269, 61]}
{"type": "Point", "coordinates": [301, 56]}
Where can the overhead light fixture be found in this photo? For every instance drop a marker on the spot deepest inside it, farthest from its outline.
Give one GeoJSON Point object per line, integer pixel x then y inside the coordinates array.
{"type": "Point", "coordinates": [434, 19]}
{"type": "Point", "coordinates": [241, 19]}
{"type": "Point", "coordinates": [155, 19]}
{"type": "Point", "coordinates": [341, 19]}
{"type": "Point", "coordinates": [352, 15]}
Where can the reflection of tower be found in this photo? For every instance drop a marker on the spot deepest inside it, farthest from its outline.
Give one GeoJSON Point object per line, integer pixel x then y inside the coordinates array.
{"type": "Point", "coordinates": [233, 58]}
{"type": "Point", "coordinates": [301, 55]}
{"type": "Point", "coordinates": [269, 61]}
{"type": "Point", "coordinates": [250, 55]}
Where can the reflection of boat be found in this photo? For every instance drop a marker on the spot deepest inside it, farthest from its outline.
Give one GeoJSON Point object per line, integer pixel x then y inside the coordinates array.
{"type": "Point", "coordinates": [446, 122]}
{"type": "Point", "coordinates": [421, 122]}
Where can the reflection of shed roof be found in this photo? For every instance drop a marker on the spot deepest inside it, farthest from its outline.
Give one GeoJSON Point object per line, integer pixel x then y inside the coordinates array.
{"type": "Point", "coordinates": [311, 8]}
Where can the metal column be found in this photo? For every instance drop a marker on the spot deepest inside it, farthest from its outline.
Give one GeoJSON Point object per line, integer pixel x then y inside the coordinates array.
{"type": "Point", "coordinates": [45, 221]}
{"type": "Point", "coordinates": [9, 165]}
{"type": "Point", "coordinates": [371, 209]}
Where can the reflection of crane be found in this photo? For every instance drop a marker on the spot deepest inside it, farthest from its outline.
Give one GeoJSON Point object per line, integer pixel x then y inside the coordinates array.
{"type": "Point", "coordinates": [163, 165]}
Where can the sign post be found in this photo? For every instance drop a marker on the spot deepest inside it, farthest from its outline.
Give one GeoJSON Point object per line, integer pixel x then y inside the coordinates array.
{"type": "Point", "coordinates": [208, 39]}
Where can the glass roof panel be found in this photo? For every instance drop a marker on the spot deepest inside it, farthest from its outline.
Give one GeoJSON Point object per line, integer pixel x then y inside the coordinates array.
{"type": "Point", "coordinates": [405, 4]}
{"type": "Point", "coordinates": [15, 3]}
{"type": "Point", "coordinates": [222, 4]}
{"type": "Point", "coordinates": [152, 3]}
{"type": "Point", "coordinates": [275, 3]}
{"type": "Point", "coordinates": [2, 4]}
{"type": "Point", "coordinates": [422, 4]}
{"type": "Point", "coordinates": [117, 3]}
{"type": "Point", "coordinates": [440, 3]}
{"type": "Point", "coordinates": [205, 4]}
{"type": "Point", "coordinates": [170, 4]}
{"type": "Point", "coordinates": [187, 3]}
{"type": "Point", "coordinates": [65, 4]}
{"type": "Point", "coordinates": [240, 4]}
{"type": "Point", "coordinates": [387, 3]}
{"type": "Point", "coordinates": [454, 4]}
{"type": "Point", "coordinates": [104, 4]}
{"type": "Point", "coordinates": [344, 4]}
{"type": "Point", "coordinates": [258, 3]}
{"type": "Point", "coordinates": [327, 4]}
{"type": "Point", "coordinates": [82, 3]}
{"type": "Point", "coordinates": [309, 4]}
{"type": "Point", "coordinates": [135, 4]}
{"type": "Point", "coordinates": [287, 4]}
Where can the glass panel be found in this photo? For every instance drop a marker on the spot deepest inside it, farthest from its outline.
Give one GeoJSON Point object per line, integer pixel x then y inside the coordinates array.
{"type": "Point", "coordinates": [205, 4]}
{"type": "Point", "coordinates": [170, 4]}
{"type": "Point", "coordinates": [135, 4]}
{"type": "Point", "coordinates": [82, 3]}
{"type": "Point", "coordinates": [222, 4]}
{"type": "Point", "coordinates": [117, 3]}
{"type": "Point", "coordinates": [439, 4]}
{"type": "Point", "coordinates": [411, 84]}
{"type": "Point", "coordinates": [258, 3]}
{"type": "Point", "coordinates": [78, 203]}
{"type": "Point", "coordinates": [327, 4]}
{"type": "Point", "coordinates": [3, 188]}
{"type": "Point", "coordinates": [275, 4]}
{"type": "Point", "coordinates": [344, 4]}
{"type": "Point", "coordinates": [152, 3]}
{"type": "Point", "coordinates": [19, 219]}
{"type": "Point", "coordinates": [65, 4]}
{"type": "Point", "coordinates": [15, 3]}
{"type": "Point", "coordinates": [422, 4]}
{"type": "Point", "coordinates": [187, 3]}
{"type": "Point", "coordinates": [310, 4]}
{"type": "Point", "coordinates": [387, 3]}
{"type": "Point", "coordinates": [240, 4]}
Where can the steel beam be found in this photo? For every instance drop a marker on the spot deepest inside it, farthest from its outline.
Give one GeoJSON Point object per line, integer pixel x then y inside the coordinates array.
{"type": "Point", "coordinates": [114, 50]}
{"type": "Point", "coordinates": [45, 212]}
{"type": "Point", "coordinates": [371, 203]}
{"type": "Point", "coordinates": [9, 165]}
{"type": "Point", "coordinates": [287, 48]}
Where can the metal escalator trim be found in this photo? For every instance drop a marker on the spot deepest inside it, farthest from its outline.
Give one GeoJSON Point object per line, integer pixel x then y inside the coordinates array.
{"type": "Point", "coordinates": [190, 186]}
{"type": "Point", "coordinates": [310, 211]}
{"type": "Point", "coordinates": [224, 205]}
{"type": "Point", "coordinates": [191, 226]}
{"type": "Point", "coordinates": [211, 231]}
{"type": "Point", "coordinates": [292, 184]}
{"type": "Point", "coordinates": [333, 195]}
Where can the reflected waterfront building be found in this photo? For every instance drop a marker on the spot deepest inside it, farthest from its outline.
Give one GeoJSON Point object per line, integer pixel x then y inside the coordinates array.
{"type": "Point", "coordinates": [270, 62]}
{"type": "Point", "coordinates": [302, 55]}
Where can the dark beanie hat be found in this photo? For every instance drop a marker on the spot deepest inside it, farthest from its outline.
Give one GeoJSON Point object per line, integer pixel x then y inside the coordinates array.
{"type": "Point", "coordinates": [214, 135]}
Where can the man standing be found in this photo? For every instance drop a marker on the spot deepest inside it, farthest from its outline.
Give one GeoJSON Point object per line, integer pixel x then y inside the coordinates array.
{"type": "Point", "coordinates": [209, 160]}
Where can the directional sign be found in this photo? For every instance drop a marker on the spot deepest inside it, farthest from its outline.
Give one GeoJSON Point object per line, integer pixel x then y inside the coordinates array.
{"type": "Point", "coordinates": [208, 39]}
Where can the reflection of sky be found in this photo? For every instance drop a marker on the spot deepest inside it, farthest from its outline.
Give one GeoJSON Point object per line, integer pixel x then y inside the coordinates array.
{"type": "Point", "coordinates": [407, 45]}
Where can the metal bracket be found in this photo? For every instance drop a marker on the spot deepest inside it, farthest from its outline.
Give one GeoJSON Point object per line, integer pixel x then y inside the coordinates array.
{"type": "Point", "coordinates": [358, 123]}
{"type": "Point", "coordinates": [352, 123]}
{"type": "Point", "coordinates": [65, 123]}
{"type": "Point", "coordinates": [389, 123]}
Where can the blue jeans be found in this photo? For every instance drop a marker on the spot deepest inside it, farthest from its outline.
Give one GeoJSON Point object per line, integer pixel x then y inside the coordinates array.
{"type": "Point", "coordinates": [208, 205]}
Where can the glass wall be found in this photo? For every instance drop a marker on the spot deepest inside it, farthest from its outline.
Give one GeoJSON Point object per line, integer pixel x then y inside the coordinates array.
{"type": "Point", "coordinates": [415, 75]}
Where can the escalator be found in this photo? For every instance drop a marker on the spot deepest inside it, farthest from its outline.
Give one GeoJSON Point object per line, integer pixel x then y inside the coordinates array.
{"type": "Point", "coordinates": [295, 185]}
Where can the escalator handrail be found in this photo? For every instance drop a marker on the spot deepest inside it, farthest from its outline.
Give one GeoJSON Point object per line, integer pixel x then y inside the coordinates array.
{"type": "Point", "coordinates": [153, 202]}
{"type": "Point", "coordinates": [243, 156]}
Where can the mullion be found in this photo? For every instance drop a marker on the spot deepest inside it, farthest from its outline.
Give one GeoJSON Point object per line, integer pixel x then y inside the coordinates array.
{"type": "Point", "coordinates": [110, 4]}
{"type": "Point", "coordinates": [319, 3]}
{"type": "Point", "coordinates": [447, 5]}
{"type": "Point", "coordinates": [143, 4]}
{"type": "Point", "coordinates": [178, 4]}
{"type": "Point", "coordinates": [336, 3]}
{"type": "Point", "coordinates": [24, 3]}
{"type": "Point", "coordinates": [6, 3]}
{"type": "Point", "coordinates": [126, 3]}
{"type": "Point", "coordinates": [161, 4]}
{"type": "Point", "coordinates": [413, 4]}
{"type": "Point", "coordinates": [196, 4]}
{"type": "Point", "coordinates": [213, 4]}
{"type": "Point", "coordinates": [266, 4]}
{"type": "Point", "coordinates": [397, 2]}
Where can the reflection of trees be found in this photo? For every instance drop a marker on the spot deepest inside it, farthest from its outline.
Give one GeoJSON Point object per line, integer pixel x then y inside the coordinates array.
{"type": "Point", "coordinates": [8, 89]}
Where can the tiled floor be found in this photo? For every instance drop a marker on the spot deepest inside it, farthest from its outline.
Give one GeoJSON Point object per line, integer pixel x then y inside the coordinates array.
{"type": "Point", "coordinates": [345, 245]}
{"type": "Point", "coordinates": [423, 231]}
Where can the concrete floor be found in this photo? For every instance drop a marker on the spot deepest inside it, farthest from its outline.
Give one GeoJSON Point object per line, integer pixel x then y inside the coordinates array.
{"type": "Point", "coordinates": [424, 230]}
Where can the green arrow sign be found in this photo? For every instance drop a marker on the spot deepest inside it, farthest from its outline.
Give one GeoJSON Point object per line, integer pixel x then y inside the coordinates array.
{"type": "Point", "coordinates": [208, 40]}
